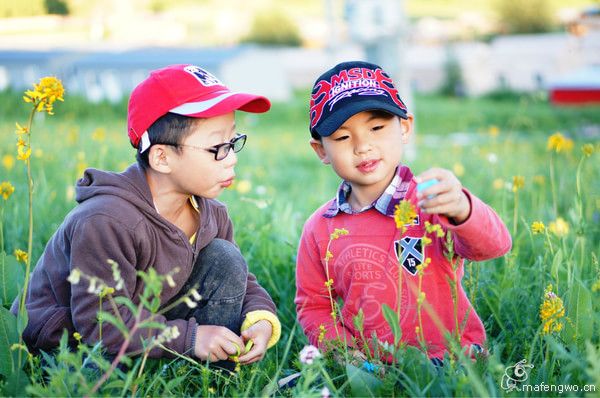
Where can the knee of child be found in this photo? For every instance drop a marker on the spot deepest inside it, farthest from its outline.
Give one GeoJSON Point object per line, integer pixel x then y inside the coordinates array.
{"type": "Point", "coordinates": [228, 257]}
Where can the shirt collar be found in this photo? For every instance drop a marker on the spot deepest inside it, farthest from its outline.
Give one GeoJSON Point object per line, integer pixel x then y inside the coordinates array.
{"type": "Point", "coordinates": [385, 204]}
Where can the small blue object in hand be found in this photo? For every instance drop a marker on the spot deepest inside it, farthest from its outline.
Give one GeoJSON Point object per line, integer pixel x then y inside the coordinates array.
{"type": "Point", "coordinates": [426, 184]}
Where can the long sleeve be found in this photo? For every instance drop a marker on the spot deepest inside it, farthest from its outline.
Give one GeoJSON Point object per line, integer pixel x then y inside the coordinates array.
{"type": "Point", "coordinates": [312, 300]}
{"type": "Point", "coordinates": [482, 236]}
{"type": "Point", "coordinates": [95, 240]}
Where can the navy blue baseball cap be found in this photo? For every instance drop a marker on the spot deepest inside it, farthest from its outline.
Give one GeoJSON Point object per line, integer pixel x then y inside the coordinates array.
{"type": "Point", "coordinates": [347, 89]}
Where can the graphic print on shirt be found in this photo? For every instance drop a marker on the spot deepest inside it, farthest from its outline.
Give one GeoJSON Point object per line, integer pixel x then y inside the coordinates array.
{"type": "Point", "coordinates": [370, 276]}
{"type": "Point", "coordinates": [409, 251]}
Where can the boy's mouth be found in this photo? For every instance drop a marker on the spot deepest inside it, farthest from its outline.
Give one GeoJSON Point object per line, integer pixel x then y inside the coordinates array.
{"type": "Point", "coordinates": [367, 166]}
{"type": "Point", "coordinates": [228, 182]}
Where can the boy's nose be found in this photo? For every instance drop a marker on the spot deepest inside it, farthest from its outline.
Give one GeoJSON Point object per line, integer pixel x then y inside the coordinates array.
{"type": "Point", "coordinates": [231, 159]}
{"type": "Point", "coordinates": [362, 146]}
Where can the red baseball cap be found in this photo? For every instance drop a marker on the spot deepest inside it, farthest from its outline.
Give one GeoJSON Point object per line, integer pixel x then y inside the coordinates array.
{"type": "Point", "coordinates": [186, 90]}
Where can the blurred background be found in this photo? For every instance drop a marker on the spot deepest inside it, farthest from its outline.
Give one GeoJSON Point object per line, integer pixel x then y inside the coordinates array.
{"type": "Point", "coordinates": [103, 48]}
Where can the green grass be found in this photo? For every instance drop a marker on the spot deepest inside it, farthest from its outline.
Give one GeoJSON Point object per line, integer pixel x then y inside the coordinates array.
{"type": "Point", "coordinates": [289, 183]}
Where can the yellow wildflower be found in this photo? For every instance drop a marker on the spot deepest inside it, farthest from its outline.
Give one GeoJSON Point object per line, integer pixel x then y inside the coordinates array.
{"type": "Point", "coordinates": [337, 232]}
{"type": "Point", "coordinates": [518, 183]}
{"type": "Point", "coordinates": [459, 169]}
{"type": "Point", "coordinates": [539, 180]}
{"type": "Point", "coordinates": [244, 186]}
{"type": "Point", "coordinates": [421, 298]}
{"type": "Point", "coordinates": [559, 143]}
{"type": "Point", "coordinates": [588, 149]}
{"type": "Point", "coordinates": [77, 336]}
{"type": "Point", "coordinates": [559, 227]}
{"type": "Point", "coordinates": [21, 130]}
{"type": "Point", "coordinates": [99, 134]}
{"type": "Point", "coordinates": [81, 166]}
{"type": "Point", "coordinates": [329, 283]}
{"type": "Point", "coordinates": [551, 311]}
{"type": "Point", "coordinates": [404, 214]}
{"type": "Point", "coordinates": [322, 332]}
{"type": "Point", "coordinates": [498, 183]}
{"type": "Point", "coordinates": [537, 227]}
{"type": "Point", "coordinates": [6, 189]}
{"type": "Point", "coordinates": [328, 256]}
{"type": "Point", "coordinates": [45, 93]}
{"type": "Point", "coordinates": [494, 131]}
{"type": "Point", "coordinates": [8, 161]}
{"type": "Point", "coordinates": [21, 255]}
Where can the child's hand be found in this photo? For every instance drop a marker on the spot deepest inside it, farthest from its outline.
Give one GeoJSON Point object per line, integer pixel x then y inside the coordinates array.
{"type": "Point", "coordinates": [259, 333]}
{"type": "Point", "coordinates": [448, 197]}
{"type": "Point", "coordinates": [214, 343]}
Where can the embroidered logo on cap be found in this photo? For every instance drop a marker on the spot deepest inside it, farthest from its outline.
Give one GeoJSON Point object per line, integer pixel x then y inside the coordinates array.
{"type": "Point", "coordinates": [206, 78]}
{"type": "Point", "coordinates": [350, 82]}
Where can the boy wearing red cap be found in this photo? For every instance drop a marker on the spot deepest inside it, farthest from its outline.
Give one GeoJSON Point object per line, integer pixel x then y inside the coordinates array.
{"type": "Point", "coordinates": [161, 213]}
{"type": "Point", "coordinates": [351, 248]}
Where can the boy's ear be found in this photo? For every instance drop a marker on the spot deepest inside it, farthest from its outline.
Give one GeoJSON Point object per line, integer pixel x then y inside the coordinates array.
{"type": "Point", "coordinates": [317, 146]}
{"type": "Point", "coordinates": [158, 158]}
{"type": "Point", "coordinates": [407, 127]}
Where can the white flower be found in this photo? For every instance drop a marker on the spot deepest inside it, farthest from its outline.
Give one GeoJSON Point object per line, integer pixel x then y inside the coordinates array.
{"type": "Point", "coordinates": [195, 294]}
{"type": "Point", "coordinates": [325, 392]}
{"type": "Point", "coordinates": [190, 303]}
{"type": "Point", "coordinates": [74, 276]}
{"type": "Point", "coordinates": [308, 354]}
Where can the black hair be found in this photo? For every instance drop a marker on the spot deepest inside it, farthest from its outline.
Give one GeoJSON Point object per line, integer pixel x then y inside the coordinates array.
{"type": "Point", "coordinates": [170, 129]}
{"type": "Point", "coordinates": [379, 113]}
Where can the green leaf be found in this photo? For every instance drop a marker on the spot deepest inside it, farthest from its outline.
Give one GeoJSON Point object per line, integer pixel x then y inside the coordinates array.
{"type": "Point", "coordinates": [8, 337]}
{"type": "Point", "coordinates": [362, 384]}
{"type": "Point", "coordinates": [556, 264]}
{"type": "Point", "coordinates": [392, 319]}
{"type": "Point", "coordinates": [579, 310]}
{"type": "Point", "coordinates": [16, 384]}
{"type": "Point", "coordinates": [11, 278]}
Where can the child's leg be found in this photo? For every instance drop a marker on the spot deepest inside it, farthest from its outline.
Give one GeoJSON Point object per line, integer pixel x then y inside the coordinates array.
{"type": "Point", "coordinates": [220, 273]}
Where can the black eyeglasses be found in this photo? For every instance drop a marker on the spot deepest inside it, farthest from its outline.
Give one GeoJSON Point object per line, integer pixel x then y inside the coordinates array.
{"type": "Point", "coordinates": [222, 150]}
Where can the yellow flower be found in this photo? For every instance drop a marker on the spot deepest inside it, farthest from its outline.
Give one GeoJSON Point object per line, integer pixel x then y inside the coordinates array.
{"type": "Point", "coordinates": [337, 232]}
{"type": "Point", "coordinates": [329, 283]}
{"type": "Point", "coordinates": [6, 189]}
{"type": "Point", "coordinates": [99, 134]}
{"type": "Point", "coordinates": [494, 131]}
{"type": "Point", "coordinates": [21, 255]}
{"type": "Point", "coordinates": [588, 149]}
{"type": "Point", "coordinates": [539, 180]}
{"type": "Point", "coordinates": [518, 183]}
{"type": "Point", "coordinates": [537, 227]}
{"type": "Point", "coordinates": [404, 214]}
{"type": "Point", "coordinates": [559, 227]}
{"type": "Point", "coordinates": [559, 143]}
{"type": "Point", "coordinates": [45, 93]}
{"type": "Point", "coordinates": [322, 332]}
{"type": "Point", "coordinates": [498, 183]}
{"type": "Point", "coordinates": [551, 311]}
{"type": "Point", "coordinates": [459, 169]}
{"type": "Point", "coordinates": [77, 336]}
{"type": "Point", "coordinates": [81, 166]}
{"type": "Point", "coordinates": [328, 256]}
{"type": "Point", "coordinates": [20, 129]}
{"type": "Point", "coordinates": [244, 186]}
{"type": "Point", "coordinates": [8, 161]}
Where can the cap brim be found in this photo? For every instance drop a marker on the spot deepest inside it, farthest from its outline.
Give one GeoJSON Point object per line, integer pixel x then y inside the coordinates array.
{"type": "Point", "coordinates": [333, 122]}
{"type": "Point", "coordinates": [224, 102]}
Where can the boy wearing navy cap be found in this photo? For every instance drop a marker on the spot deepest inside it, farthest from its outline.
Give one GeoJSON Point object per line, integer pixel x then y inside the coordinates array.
{"type": "Point", "coordinates": [161, 213]}
{"type": "Point", "coordinates": [360, 125]}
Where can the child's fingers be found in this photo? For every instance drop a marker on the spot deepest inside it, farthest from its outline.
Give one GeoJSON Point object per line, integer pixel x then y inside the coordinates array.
{"type": "Point", "coordinates": [256, 353]}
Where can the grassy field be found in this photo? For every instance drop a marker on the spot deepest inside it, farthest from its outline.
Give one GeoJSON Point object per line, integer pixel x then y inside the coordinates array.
{"type": "Point", "coordinates": [487, 142]}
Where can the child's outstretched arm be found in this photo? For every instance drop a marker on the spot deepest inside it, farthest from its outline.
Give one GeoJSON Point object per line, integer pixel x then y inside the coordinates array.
{"type": "Point", "coordinates": [446, 197]}
{"type": "Point", "coordinates": [478, 232]}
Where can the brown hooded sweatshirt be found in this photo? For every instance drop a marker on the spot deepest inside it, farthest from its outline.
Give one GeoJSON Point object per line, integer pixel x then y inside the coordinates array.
{"type": "Point", "coordinates": [116, 219]}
